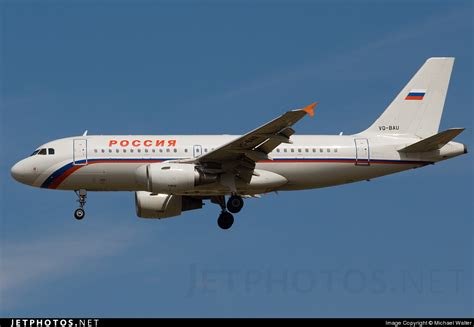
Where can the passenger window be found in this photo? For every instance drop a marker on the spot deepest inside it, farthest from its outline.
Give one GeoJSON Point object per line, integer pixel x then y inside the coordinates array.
{"type": "Point", "coordinates": [167, 150]}
{"type": "Point", "coordinates": [117, 150]}
{"type": "Point", "coordinates": [131, 150]}
{"type": "Point", "coordinates": [42, 151]}
{"type": "Point", "coordinates": [175, 150]}
{"type": "Point", "coordinates": [278, 150]}
{"type": "Point", "coordinates": [102, 150]}
{"type": "Point", "coordinates": [161, 150]}
{"type": "Point", "coordinates": [186, 150]}
{"type": "Point", "coordinates": [328, 150]}
{"type": "Point", "coordinates": [299, 150]}
{"type": "Point", "coordinates": [285, 150]}
{"type": "Point", "coordinates": [314, 150]}
{"type": "Point", "coordinates": [139, 150]}
{"type": "Point", "coordinates": [95, 150]}
{"type": "Point", "coordinates": [321, 150]}
{"type": "Point", "coordinates": [335, 150]}
{"type": "Point", "coordinates": [124, 150]}
{"type": "Point", "coordinates": [306, 150]}
{"type": "Point", "coordinates": [292, 150]}
{"type": "Point", "coordinates": [153, 150]}
{"type": "Point", "coordinates": [50, 151]}
{"type": "Point", "coordinates": [110, 150]}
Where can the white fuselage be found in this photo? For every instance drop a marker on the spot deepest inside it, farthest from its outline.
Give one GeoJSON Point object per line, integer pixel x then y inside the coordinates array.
{"type": "Point", "coordinates": [110, 163]}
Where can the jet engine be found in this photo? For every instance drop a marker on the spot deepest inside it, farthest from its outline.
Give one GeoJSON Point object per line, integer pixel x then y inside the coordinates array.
{"type": "Point", "coordinates": [172, 177]}
{"type": "Point", "coordinates": [150, 205]}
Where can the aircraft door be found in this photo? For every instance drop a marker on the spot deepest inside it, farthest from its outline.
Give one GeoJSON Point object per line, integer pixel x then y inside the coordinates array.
{"type": "Point", "coordinates": [197, 151]}
{"type": "Point", "coordinates": [80, 152]}
{"type": "Point", "coordinates": [362, 152]}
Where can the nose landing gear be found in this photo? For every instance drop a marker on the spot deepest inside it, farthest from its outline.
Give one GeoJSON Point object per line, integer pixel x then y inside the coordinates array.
{"type": "Point", "coordinates": [82, 195]}
{"type": "Point", "coordinates": [79, 213]}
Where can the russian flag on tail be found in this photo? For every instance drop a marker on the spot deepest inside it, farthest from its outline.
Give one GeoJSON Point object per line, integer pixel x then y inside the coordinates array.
{"type": "Point", "coordinates": [416, 94]}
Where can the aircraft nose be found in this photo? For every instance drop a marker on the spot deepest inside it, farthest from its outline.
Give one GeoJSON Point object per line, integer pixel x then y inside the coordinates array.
{"type": "Point", "coordinates": [19, 172]}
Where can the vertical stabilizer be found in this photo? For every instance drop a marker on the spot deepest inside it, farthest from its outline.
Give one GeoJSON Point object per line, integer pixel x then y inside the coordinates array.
{"type": "Point", "coordinates": [417, 109]}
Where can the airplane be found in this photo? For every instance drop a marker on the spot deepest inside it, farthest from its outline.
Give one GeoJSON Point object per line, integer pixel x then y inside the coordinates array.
{"type": "Point", "coordinates": [176, 173]}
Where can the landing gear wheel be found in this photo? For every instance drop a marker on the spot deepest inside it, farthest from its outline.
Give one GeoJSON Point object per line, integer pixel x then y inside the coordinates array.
{"type": "Point", "coordinates": [79, 213]}
{"type": "Point", "coordinates": [225, 220]}
{"type": "Point", "coordinates": [82, 195]}
{"type": "Point", "coordinates": [235, 204]}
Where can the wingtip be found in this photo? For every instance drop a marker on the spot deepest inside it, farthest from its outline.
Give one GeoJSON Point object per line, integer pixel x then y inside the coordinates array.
{"type": "Point", "coordinates": [310, 109]}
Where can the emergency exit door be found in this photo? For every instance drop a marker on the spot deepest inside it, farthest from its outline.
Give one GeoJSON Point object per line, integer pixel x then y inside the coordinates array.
{"type": "Point", "coordinates": [197, 151]}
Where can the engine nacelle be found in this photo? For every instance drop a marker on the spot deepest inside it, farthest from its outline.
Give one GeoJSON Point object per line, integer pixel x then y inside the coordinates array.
{"type": "Point", "coordinates": [150, 205]}
{"type": "Point", "coordinates": [171, 177]}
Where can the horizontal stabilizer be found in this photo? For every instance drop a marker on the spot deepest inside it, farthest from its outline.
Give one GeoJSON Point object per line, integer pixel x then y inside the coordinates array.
{"type": "Point", "coordinates": [434, 142]}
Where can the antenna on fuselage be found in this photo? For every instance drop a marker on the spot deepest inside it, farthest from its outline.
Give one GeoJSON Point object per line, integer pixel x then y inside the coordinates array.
{"type": "Point", "coordinates": [85, 133]}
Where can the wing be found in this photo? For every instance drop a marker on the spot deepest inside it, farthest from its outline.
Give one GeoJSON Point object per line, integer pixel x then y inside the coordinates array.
{"type": "Point", "coordinates": [239, 156]}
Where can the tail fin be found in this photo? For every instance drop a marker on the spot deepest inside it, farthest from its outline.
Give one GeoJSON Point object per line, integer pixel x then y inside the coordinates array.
{"type": "Point", "coordinates": [417, 109]}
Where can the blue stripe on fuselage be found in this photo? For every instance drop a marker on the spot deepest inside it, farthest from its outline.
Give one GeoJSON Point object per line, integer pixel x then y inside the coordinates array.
{"type": "Point", "coordinates": [59, 172]}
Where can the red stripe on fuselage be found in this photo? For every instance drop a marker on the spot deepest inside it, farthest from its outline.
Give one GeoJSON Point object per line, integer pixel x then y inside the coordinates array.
{"type": "Point", "coordinates": [63, 176]}
{"type": "Point", "coordinates": [71, 170]}
{"type": "Point", "coordinates": [68, 172]}
{"type": "Point", "coordinates": [378, 162]}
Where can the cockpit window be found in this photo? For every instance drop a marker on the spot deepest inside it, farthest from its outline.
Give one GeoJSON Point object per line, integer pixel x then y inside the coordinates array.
{"type": "Point", "coordinates": [43, 151]}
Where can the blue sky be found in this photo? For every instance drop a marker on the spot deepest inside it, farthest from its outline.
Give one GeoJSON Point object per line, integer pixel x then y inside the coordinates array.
{"type": "Point", "coordinates": [400, 245]}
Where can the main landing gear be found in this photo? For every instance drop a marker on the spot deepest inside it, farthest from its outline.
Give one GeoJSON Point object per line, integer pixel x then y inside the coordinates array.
{"type": "Point", "coordinates": [234, 205]}
{"type": "Point", "coordinates": [225, 220]}
{"type": "Point", "coordinates": [82, 195]}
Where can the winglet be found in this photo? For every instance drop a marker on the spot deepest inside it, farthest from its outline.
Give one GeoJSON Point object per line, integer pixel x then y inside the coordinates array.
{"type": "Point", "coordinates": [310, 109]}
